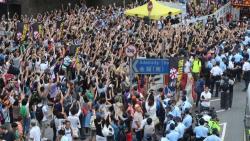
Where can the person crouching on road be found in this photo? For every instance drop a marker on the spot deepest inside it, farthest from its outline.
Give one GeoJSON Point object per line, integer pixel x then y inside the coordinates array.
{"type": "Point", "coordinates": [205, 99]}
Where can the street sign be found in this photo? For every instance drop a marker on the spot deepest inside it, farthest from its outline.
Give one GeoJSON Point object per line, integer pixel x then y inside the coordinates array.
{"type": "Point", "coordinates": [151, 66]}
{"type": "Point", "coordinates": [130, 51]}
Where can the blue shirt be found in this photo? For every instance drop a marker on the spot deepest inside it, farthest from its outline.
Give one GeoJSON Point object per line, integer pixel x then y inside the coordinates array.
{"type": "Point", "coordinates": [238, 58]}
{"type": "Point", "coordinates": [212, 138]}
{"type": "Point", "coordinates": [173, 135]}
{"type": "Point", "coordinates": [176, 112]}
{"type": "Point", "coordinates": [209, 65]}
{"type": "Point", "coordinates": [187, 121]}
{"type": "Point", "coordinates": [213, 61]}
{"type": "Point", "coordinates": [185, 105]}
{"type": "Point", "coordinates": [200, 131]}
{"type": "Point", "coordinates": [180, 128]}
{"type": "Point", "coordinates": [218, 59]}
{"type": "Point", "coordinates": [223, 66]}
{"type": "Point", "coordinates": [168, 124]}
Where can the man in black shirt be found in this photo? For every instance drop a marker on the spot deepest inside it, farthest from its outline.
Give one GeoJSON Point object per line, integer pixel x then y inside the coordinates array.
{"type": "Point", "coordinates": [5, 134]}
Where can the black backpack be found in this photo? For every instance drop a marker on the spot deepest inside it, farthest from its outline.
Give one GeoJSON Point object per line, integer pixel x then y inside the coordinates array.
{"type": "Point", "coordinates": [225, 85]}
{"type": "Point", "coordinates": [121, 134]}
{"type": "Point", "coordinates": [39, 114]}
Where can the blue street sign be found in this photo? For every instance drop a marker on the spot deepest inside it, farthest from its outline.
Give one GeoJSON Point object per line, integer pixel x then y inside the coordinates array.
{"type": "Point", "coordinates": [151, 66]}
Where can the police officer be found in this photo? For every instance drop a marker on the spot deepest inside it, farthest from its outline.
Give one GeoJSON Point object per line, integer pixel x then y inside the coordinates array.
{"type": "Point", "coordinates": [187, 121]}
{"type": "Point", "coordinates": [215, 74]}
{"type": "Point", "coordinates": [238, 64]}
{"type": "Point", "coordinates": [246, 73]}
{"type": "Point", "coordinates": [185, 104]}
{"type": "Point", "coordinates": [173, 135]}
{"type": "Point", "coordinates": [214, 136]}
{"type": "Point", "coordinates": [180, 128]}
{"type": "Point", "coordinates": [201, 131]}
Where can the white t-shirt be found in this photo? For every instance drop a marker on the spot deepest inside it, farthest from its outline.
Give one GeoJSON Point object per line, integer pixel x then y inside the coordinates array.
{"type": "Point", "coordinates": [187, 67]}
{"type": "Point", "coordinates": [207, 97]}
{"type": "Point", "coordinates": [43, 66]}
{"type": "Point", "coordinates": [64, 138]}
{"type": "Point", "coordinates": [151, 110]}
{"type": "Point", "coordinates": [246, 66]}
{"type": "Point", "coordinates": [137, 118]}
{"type": "Point", "coordinates": [75, 122]}
{"type": "Point", "coordinates": [45, 112]}
{"type": "Point", "coordinates": [35, 133]}
{"type": "Point", "coordinates": [68, 134]}
{"type": "Point", "coordinates": [230, 65]}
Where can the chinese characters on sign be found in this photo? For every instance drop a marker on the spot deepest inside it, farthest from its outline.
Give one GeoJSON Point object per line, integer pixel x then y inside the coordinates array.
{"type": "Point", "coordinates": [151, 66]}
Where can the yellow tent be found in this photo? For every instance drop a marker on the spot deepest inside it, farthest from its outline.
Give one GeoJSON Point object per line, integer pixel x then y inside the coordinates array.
{"type": "Point", "coordinates": [157, 11]}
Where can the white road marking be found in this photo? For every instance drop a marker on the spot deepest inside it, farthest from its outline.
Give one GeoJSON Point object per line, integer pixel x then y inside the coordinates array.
{"type": "Point", "coordinates": [218, 99]}
{"type": "Point", "coordinates": [244, 135]}
{"type": "Point", "coordinates": [224, 128]}
{"type": "Point", "coordinates": [221, 110]}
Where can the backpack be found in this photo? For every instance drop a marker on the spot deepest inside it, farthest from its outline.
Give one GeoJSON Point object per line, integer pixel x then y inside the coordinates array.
{"type": "Point", "coordinates": [35, 97]}
{"type": "Point", "coordinates": [23, 111]}
{"type": "Point", "coordinates": [39, 113]}
{"type": "Point", "coordinates": [107, 131]}
{"type": "Point", "coordinates": [67, 103]}
{"type": "Point", "coordinates": [121, 134]}
{"type": "Point", "coordinates": [225, 85]}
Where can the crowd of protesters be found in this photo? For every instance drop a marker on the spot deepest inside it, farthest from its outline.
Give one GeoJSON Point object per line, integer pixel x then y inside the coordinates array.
{"type": "Point", "coordinates": [202, 8]}
{"type": "Point", "coordinates": [76, 65]}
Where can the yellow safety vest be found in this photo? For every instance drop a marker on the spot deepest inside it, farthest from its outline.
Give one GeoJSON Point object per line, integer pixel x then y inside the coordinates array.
{"type": "Point", "coordinates": [196, 66]}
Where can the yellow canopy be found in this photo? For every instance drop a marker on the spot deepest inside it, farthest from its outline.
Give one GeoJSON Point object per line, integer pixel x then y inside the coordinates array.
{"type": "Point", "coordinates": [157, 11]}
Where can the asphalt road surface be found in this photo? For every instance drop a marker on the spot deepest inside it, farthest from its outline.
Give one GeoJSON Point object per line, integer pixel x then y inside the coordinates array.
{"type": "Point", "coordinates": [232, 121]}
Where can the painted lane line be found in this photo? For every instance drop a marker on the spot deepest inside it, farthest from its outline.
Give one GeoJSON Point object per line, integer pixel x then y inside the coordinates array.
{"type": "Point", "coordinates": [218, 99]}
{"type": "Point", "coordinates": [219, 111]}
{"type": "Point", "coordinates": [223, 131]}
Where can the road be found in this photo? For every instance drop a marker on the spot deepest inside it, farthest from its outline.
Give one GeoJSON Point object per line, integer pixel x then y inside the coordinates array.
{"type": "Point", "coordinates": [232, 120]}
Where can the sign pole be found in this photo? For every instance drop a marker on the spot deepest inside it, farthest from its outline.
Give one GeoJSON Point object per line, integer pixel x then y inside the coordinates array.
{"type": "Point", "coordinates": [130, 52]}
{"type": "Point", "coordinates": [130, 71]}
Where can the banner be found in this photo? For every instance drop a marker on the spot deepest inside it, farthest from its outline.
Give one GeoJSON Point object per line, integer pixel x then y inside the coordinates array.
{"type": "Point", "coordinates": [180, 69]}
{"type": "Point", "coordinates": [37, 30]}
{"type": "Point", "coordinates": [22, 30]}
{"type": "Point", "coordinates": [173, 75]}
{"type": "Point", "coordinates": [35, 33]}
{"type": "Point", "coordinates": [19, 30]}
{"type": "Point", "coordinates": [220, 13]}
{"type": "Point", "coordinates": [40, 29]}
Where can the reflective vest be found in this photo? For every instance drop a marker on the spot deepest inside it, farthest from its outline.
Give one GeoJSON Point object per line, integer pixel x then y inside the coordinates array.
{"type": "Point", "coordinates": [213, 125]}
{"type": "Point", "coordinates": [196, 68]}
